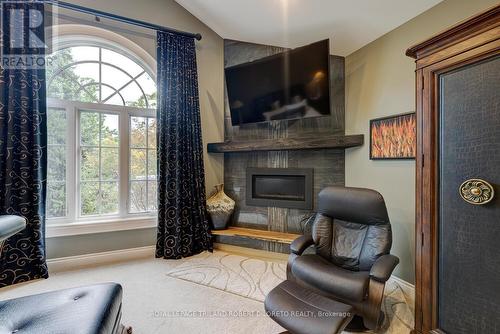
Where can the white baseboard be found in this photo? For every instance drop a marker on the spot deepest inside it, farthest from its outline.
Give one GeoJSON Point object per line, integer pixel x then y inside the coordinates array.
{"type": "Point", "coordinates": [408, 288]}
{"type": "Point", "coordinates": [95, 259]}
{"type": "Point", "coordinates": [102, 258]}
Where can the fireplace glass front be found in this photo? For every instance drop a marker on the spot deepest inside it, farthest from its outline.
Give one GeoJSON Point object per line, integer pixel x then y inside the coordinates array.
{"type": "Point", "coordinates": [280, 187]}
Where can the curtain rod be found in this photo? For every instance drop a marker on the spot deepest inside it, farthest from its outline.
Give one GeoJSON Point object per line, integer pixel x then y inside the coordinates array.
{"type": "Point", "coordinates": [123, 19]}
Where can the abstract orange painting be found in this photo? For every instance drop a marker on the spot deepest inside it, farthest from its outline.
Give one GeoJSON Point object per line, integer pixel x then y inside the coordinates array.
{"type": "Point", "coordinates": [393, 137]}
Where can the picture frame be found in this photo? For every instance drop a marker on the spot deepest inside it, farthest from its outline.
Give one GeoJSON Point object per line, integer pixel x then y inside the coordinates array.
{"type": "Point", "coordinates": [393, 137]}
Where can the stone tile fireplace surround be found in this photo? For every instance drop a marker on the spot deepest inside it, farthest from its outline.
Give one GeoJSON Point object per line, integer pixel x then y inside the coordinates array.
{"type": "Point", "coordinates": [326, 165]}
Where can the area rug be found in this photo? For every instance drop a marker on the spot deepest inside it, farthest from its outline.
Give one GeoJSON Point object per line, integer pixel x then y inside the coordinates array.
{"type": "Point", "coordinates": [255, 277]}
{"type": "Point", "coordinates": [248, 277]}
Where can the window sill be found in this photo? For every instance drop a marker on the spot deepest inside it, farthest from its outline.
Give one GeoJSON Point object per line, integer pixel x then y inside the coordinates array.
{"type": "Point", "coordinates": [103, 226]}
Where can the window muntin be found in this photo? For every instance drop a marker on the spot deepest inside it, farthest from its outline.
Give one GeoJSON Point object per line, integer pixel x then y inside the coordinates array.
{"type": "Point", "coordinates": [93, 93]}
{"type": "Point", "coordinates": [99, 163]}
{"type": "Point", "coordinates": [99, 75]}
{"type": "Point", "coordinates": [142, 189]}
{"type": "Point", "coordinates": [56, 164]}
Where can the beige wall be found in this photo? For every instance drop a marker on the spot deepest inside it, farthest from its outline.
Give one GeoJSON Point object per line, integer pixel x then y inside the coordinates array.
{"type": "Point", "coordinates": [210, 79]}
{"type": "Point", "coordinates": [210, 63]}
{"type": "Point", "coordinates": [380, 82]}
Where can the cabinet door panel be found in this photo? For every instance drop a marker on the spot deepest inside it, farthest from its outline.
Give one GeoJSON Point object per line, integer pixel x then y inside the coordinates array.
{"type": "Point", "coordinates": [469, 235]}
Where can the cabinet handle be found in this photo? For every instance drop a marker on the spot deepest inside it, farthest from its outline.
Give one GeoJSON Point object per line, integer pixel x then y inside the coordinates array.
{"type": "Point", "coordinates": [476, 191]}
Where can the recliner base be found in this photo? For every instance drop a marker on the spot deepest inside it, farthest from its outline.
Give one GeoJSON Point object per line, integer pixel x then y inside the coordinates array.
{"type": "Point", "coordinates": [357, 325]}
{"type": "Point", "coordinates": [298, 310]}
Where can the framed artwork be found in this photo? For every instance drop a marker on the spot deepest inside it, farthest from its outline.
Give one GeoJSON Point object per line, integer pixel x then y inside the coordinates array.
{"type": "Point", "coordinates": [393, 137]}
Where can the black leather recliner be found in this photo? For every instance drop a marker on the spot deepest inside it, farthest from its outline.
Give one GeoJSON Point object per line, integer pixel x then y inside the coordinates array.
{"type": "Point", "coordinates": [352, 238]}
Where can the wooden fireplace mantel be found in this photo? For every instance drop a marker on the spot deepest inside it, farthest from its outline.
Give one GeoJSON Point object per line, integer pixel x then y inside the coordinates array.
{"type": "Point", "coordinates": [304, 143]}
{"type": "Point", "coordinates": [233, 231]}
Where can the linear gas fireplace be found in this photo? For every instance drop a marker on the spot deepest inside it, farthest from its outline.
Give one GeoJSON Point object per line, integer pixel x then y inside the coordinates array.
{"type": "Point", "coordinates": [280, 187]}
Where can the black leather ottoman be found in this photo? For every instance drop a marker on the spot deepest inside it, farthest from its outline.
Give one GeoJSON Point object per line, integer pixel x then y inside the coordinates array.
{"type": "Point", "coordinates": [93, 309]}
{"type": "Point", "coordinates": [10, 225]}
{"type": "Point", "coordinates": [302, 311]}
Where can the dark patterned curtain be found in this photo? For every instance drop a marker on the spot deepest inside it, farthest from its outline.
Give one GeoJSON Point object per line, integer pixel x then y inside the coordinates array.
{"type": "Point", "coordinates": [23, 155]}
{"type": "Point", "coordinates": [183, 228]}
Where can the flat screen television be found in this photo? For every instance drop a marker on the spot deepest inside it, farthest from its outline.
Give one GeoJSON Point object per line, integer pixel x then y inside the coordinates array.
{"type": "Point", "coordinates": [289, 85]}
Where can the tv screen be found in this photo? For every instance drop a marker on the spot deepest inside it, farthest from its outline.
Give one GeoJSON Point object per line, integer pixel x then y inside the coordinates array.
{"type": "Point", "coordinates": [289, 85]}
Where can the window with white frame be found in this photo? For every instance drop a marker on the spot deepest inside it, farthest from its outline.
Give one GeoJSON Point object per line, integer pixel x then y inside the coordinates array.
{"type": "Point", "coordinates": [101, 133]}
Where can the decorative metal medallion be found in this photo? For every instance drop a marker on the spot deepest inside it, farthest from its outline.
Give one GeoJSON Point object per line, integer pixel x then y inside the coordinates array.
{"type": "Point", "coordinates": [476, 191]}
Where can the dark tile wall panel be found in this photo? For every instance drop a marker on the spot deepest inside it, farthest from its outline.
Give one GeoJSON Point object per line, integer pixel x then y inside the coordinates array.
{"type": "Point", "coordinates": [328, 164]}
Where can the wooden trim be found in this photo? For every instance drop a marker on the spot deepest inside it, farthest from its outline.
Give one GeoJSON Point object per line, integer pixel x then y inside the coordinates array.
{"type": "Point", "coordinates": [305, 143]}
{"type": "Point", "coordinates": [458, 32]}
{"type": "Point", "coordinates": [459, 48]}
{"type": "Point", "coordinates": [419, 162]}
{"type": "Point", "coordinates": [252, 252]}
{"type": "Point", "coordinates": [428, 198]}
{"type": "Point", "coordinates": [284, 238]}
{"type": "Point", "coordinates": [444, 52]}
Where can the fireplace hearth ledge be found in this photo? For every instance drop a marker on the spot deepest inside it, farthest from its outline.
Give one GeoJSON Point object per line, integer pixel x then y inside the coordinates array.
{"type": "Point", "coordinates": [265, 235]}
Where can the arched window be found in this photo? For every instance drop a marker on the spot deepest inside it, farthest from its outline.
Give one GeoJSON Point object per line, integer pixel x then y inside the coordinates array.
{"type": "Point", "coordinates": [98, 74]}
{"type": "Point", "coordinates": [101, 128]}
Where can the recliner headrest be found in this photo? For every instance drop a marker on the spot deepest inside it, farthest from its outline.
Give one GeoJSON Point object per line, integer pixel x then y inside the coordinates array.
{"type": "Point", "coordinates": [358, 205]}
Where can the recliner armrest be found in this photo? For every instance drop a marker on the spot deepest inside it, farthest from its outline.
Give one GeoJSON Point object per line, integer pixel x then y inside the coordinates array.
{"type": "Point", "coordinates": [299, 245]}
{"type": "Point", "coordinates": [383, 267]}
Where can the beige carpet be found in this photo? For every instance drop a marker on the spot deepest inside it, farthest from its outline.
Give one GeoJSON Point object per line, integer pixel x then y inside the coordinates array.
{"type": "Point", "coordinates": [154, 302]}
{"type": "Point", "coordinates": [254, 278]}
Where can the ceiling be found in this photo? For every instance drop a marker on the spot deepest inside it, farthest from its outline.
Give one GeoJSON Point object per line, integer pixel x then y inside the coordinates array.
{"type": "Point", "coordinates": [350, 24]}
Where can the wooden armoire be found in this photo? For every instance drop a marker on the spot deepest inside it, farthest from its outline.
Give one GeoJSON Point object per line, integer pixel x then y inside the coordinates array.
{"type": "Point", "coordinates": [458, 178]}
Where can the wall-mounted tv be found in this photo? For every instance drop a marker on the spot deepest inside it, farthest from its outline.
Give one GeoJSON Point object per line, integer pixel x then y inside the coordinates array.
{"type": "Point", "coordinates": [289, 85]}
